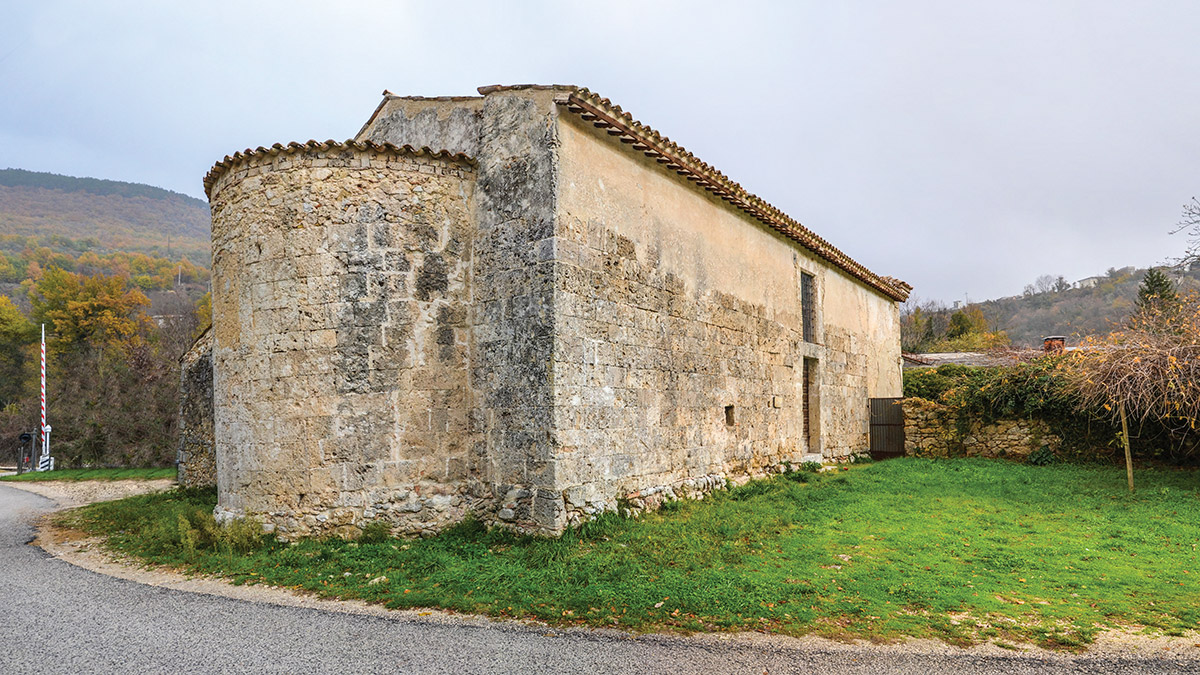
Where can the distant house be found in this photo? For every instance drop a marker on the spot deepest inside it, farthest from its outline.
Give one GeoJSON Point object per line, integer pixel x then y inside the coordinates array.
{"type": "Point", "coordinates": [1089, 282]}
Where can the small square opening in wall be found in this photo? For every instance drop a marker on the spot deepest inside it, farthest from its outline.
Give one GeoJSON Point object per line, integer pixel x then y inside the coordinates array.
{"type": "Point", "coordinates": [730, 420]}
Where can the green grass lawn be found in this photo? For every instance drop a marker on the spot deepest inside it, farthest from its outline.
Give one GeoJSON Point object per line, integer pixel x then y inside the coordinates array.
{"type": "Point", "coordinates": [94, 474]}
{"type": "Point", "coordinates": [962, 550]}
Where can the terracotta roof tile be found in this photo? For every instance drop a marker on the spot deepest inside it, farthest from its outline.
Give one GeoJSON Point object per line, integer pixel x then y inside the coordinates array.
{"type": "Point", "coordinates": [291, 148]}
{"type": "Point", "coordinates": [604, 114]}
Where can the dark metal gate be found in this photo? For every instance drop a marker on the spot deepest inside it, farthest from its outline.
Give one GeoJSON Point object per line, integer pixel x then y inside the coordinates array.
{"type": "Point", "coordinates": [887, 428]}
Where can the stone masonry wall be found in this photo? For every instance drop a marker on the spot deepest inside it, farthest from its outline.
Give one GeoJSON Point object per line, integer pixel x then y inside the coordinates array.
{"type": "Point", "coordinates": [931, 430]}
{"type": "Point", "coordinates": [450, 123]}
{"type": "Point", "coordinates": [196, 463]}
{"type": "Point", "coordinates": [861, 360]}
{"type": "Point", "coordinates": [341, 339]}
{"type": "Point", "coordinates": [844, 394]}
{"type": "Point", "coordinates": [679, 353]}
{"type": "Point", "coordinates": [513, 319]}
{"type": "Point", "coordinates": [514, 308]}
{"type": "Point", "coordinates": [679, 350]}
{"type": "Point", "coordinates": [644, 371]}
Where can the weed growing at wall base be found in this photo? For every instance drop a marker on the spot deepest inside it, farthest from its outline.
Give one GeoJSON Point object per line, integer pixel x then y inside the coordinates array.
{"type": "Point", "coordinates": [962, 550]}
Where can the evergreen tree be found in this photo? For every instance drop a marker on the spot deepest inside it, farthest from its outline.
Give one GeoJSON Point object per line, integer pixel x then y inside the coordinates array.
{"type": "Point", "coordinates": [960, 325]}
{"type": "Point", "coordinates": [1157, 303]}
{"type": "Point", "coordinates": [1157, 292]}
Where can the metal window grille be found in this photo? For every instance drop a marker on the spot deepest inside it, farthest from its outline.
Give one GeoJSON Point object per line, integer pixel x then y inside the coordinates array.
{"type": "Point", "coordinates": [808, 307]}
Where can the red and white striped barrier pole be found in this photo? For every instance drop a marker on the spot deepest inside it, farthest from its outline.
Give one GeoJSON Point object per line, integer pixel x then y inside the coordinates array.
{"type": "Point", "coordinates": [46, 463]}
{"type": "Point", "coordinates": [43, 426]}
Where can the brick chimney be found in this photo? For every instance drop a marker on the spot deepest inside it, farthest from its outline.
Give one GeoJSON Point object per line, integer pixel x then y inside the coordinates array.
{"type": "Point", "coordinates": [1055, 344]}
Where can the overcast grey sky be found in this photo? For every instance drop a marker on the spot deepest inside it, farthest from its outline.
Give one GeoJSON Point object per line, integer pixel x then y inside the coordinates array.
{"type": "Point", "coordinates": [966, 147]}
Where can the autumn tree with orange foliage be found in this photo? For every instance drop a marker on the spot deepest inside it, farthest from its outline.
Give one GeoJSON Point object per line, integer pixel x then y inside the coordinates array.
{"type": "Point", "coordinates": [16, 352]}
{"type": "Point", "coordinates": [88, 311]}
{"type": "Point", "coordinates": [114, 374]}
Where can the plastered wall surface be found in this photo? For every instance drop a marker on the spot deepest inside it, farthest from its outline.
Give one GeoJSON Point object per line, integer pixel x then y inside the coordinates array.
{"type": "Point", "coordinates": [670, 309]}
{"type": "Point", "coordinates": [676, 312]}
{"type": "Point", "coordinates": [861, 335]}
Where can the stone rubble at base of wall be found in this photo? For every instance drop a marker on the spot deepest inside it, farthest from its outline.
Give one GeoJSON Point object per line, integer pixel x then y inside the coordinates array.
{"type": "Point", "coordinates": [422, 511]}
{"type": "Point", "coordinates": [413, 514]}
{"type": "Point", "coordinates": [931, 430]}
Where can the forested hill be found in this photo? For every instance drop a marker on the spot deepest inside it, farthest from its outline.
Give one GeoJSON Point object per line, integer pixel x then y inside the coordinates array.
{"type": "Point", "coordinates": [106, 215]}
{"type": "Point", "coordinates": [1090, 310]}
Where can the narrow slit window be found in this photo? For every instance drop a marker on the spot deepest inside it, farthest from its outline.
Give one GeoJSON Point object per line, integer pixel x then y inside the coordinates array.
{"type": "Point", "coordinates": [729, 418]}
{"type": "Point", "coordinates": [806, 411]}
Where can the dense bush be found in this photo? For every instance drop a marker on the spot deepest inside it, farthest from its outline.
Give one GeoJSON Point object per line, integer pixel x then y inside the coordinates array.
{"type": "Point", "coordinates": [932, 383]}
{"type": "Point", "coordinates": [1047, 390]}
{"type": "Point", "coordinates": [1034, 390]}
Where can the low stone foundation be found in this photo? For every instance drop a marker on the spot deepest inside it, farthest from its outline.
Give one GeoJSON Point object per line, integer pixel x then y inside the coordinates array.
{"type": "Point", "coordinates": [932, 430]}
{"type": "Point", "coordinates": [423, 510]}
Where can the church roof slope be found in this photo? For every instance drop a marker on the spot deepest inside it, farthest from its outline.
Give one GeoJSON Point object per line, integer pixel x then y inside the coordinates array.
{"type": "Point", "coordinates": [603, 113]}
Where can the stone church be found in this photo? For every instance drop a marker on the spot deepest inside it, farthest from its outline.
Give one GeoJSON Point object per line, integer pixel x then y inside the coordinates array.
{"type": "Point", "coordinates": [523, 305]}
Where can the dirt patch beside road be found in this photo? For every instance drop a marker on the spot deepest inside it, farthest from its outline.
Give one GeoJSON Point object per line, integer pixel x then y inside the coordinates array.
{"type": "Point", "coordinates": [69, 494]}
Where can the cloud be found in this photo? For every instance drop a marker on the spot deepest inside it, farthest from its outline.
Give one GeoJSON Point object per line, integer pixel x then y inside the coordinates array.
{"type": "Point", "coordinates": [965, 147]}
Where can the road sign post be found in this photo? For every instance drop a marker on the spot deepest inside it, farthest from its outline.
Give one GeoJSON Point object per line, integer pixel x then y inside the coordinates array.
{"type": "Point", "coordinates": [25, 453]}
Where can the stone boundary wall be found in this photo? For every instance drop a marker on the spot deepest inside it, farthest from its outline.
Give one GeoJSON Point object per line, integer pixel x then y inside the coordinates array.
{"type": "Point", "coordinates": [931, 430]}
{"type": "Point", "coordinates": [196, 463]}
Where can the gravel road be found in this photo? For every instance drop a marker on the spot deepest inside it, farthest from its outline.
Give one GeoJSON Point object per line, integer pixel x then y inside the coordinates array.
{"type": "Point", "coordinates": [59, 618]}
